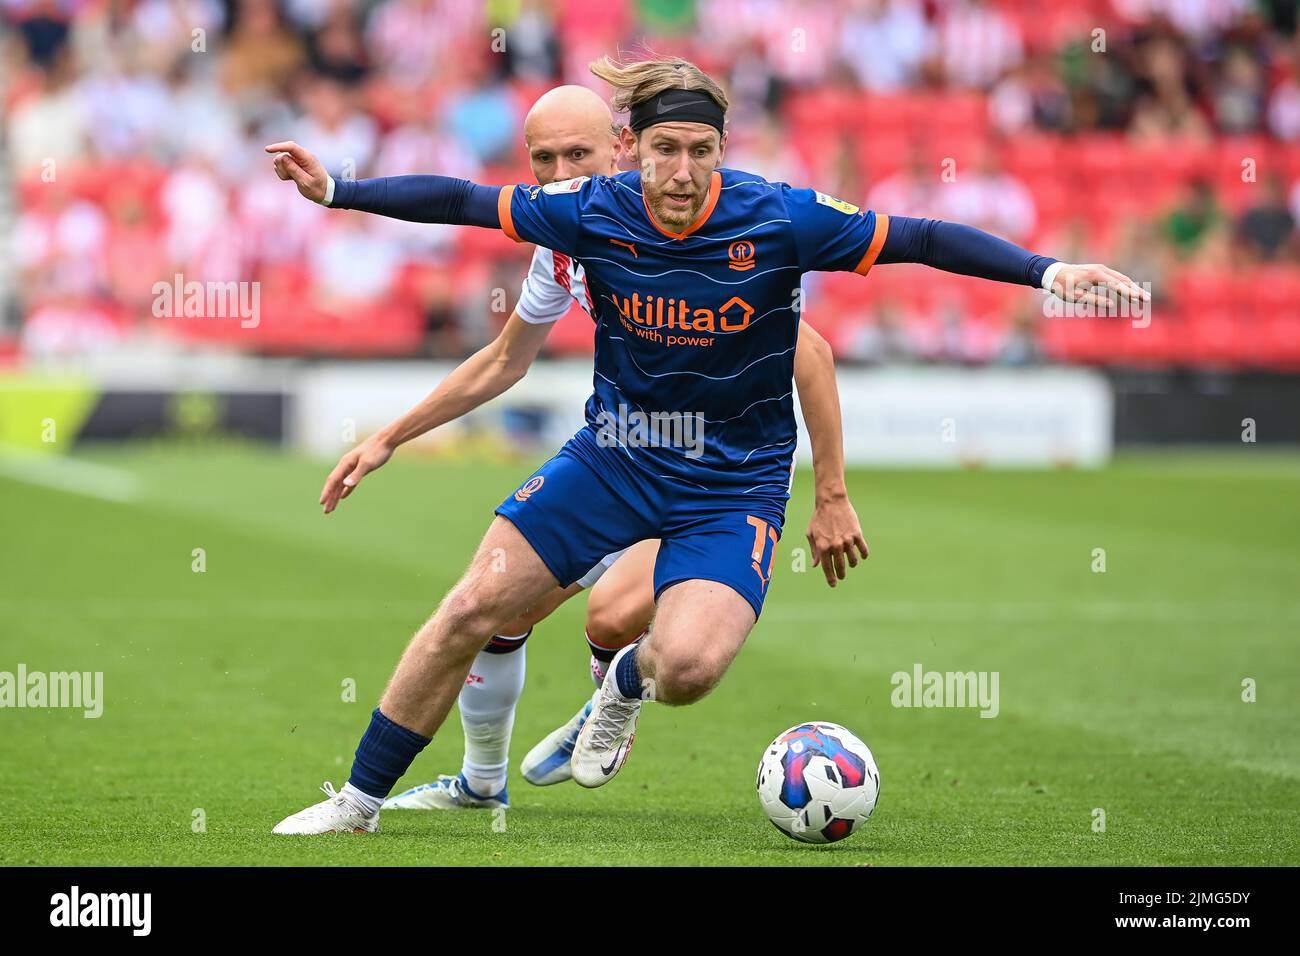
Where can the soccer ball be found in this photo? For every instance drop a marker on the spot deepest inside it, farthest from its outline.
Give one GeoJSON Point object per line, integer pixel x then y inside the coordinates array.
{"type": "Point", "coordinates": [818, 783]}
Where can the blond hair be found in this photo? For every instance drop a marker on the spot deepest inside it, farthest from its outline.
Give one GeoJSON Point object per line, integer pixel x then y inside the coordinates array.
{"type": "Point", "coordinates": [637, 81]}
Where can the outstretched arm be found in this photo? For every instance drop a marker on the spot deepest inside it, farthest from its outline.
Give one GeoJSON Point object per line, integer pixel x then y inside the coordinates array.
{"type": "Point", "coordinates": [413, 198]}
{"type": "Point", "coordinates": [481, 377]}
{"type": "Point", "coordinates": [834, 531]}
{"type": "Point", "coordinates": [545, 215]}
{"type": "Point", "coordinates": [954, 247]}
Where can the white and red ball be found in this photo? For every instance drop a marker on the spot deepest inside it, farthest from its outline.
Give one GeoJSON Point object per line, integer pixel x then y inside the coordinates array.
{"type": "Point", "coordinates": [818, 783]}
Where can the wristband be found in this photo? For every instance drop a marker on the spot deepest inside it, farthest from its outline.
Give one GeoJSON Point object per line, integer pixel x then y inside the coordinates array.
{"type": "Point", "coordinates": [1049, 274]}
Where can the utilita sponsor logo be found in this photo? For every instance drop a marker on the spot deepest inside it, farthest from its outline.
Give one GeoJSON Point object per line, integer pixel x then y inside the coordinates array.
{"type": "Point", "coordinates": [650, 316]}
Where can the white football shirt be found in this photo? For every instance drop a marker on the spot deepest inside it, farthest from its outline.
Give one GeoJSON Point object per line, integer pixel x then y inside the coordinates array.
{"type": "Point", "coordinates": [553, 281]}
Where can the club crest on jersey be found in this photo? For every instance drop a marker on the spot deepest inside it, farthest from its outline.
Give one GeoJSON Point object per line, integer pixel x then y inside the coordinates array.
{"type": "Point", "coordinates": [565, 186]}
{"type": "Point", "coordinates": [845, 207]}
{"type": "Point", "coordinates": [740, 255]}
{"type": "Point", "coordinates": [528, 487]}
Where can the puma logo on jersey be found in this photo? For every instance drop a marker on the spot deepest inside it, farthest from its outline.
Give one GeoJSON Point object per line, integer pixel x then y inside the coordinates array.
{"type": "Point", "coordinates": [626, 245]}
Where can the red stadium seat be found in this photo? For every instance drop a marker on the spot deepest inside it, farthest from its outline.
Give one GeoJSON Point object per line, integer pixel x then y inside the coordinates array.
{"type": "Point", "coordinates": [1197, 290]}
{"type": "Point", "coordinates": [1275, 291]}
{"type": "Point", "coordinates": [1214, 338]}
{"type": "Point", "coordinates": [1038, 157]}
{"type": "Point", "coordinates": [1155, 344]}
{"type": "Point", "coordinates": [1279, 336]}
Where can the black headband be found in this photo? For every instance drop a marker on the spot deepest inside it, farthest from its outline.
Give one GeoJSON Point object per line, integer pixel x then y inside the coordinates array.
{"type": "Point", "coordinates": [677, 106]}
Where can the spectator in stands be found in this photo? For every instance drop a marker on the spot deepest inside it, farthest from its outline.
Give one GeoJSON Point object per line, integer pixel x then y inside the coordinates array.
{"type": "Point", "coordinates": [1197, 20]}
{"type": "Point", "coordinates": [1267, 228]}
{"type": "Point", "coordinates": [199, 119]}
{"type": "Point", "coordinates": [342, 136]}
{"type": "Point", "coordinates": [1102, 88]}
{"type": "Point", "coordinates": [135, 258]}
{"type": "Point", "coordinates": [164, 33]}
{"type": "Point", "coordinates": [1166, 110]}
{"type": "Point", "coordinates": [882, 341]}
{"type": "Point", "coordinates": [977, 44]}
{"type": "Point", "coordinates": [1142, 250]}
{"type": "Point", "coordinates": [101, 94]}
{"type": "Point", "coordinates": [988, 198]}
{"type": "Point", "coordinates": [1194, 220]}
{"type": "Point", "coordinates": [413, 39]}
{"type": "Point", "coordinates": [1032, 95]}
{"type": "Point", "coordinates": [337, 50]}
{"type": "Point", "coordinates": [1284, 107]}
{"type": "Point", "coordinates": [351, 263]}
{"type": "Point", "coordinates": [44, 29]}
{"type": "Point", "coordinates": [911, 191]}
{"type": "Point", "coordinates": [533, 49]}
{"type": "Point", "coordinates": [125, 106]}
{"type": "Point", "coordinates": [754, 90]}
{"type": "Point", "coordinates": [48, 126]}
{"type": "Point", "coordinates": [896, 33]}
{"type": "Point", "coordinates": [1239, 93]}
{"type": "Point", "coordinates": [1020, 344]}
{"type": "Point", "coordinates": [261, 54]}
{"type": "Point", "coordinates": [765, 149]}
{"type": "Point", "coordinates": [66, 326]}
{"type": "Point", "coordinates": [485, 120]}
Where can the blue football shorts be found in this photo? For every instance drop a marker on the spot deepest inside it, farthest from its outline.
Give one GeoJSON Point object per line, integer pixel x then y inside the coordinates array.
{"type": "Point", "coordinates": [590, 501]}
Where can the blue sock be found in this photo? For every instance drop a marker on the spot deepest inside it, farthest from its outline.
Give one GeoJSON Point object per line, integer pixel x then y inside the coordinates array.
{"type": "Point", "coordinates": [627, 677]}
{"type": "Point", "coordinates": [384, 754]}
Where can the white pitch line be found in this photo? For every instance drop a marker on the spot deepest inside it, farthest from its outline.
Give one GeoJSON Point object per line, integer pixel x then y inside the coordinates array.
{"type": "Point", "coordinates": [70, 475]}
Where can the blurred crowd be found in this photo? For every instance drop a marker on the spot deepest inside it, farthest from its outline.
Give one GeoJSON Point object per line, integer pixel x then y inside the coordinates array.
{"type": "Point", "coordinates": [1159, 136]}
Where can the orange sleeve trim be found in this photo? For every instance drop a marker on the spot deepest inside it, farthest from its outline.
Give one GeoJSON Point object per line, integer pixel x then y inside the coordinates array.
{"type": "Point", "coordinates": [877, 243]}
{"type": "Point", "coordinates": [503, 212]}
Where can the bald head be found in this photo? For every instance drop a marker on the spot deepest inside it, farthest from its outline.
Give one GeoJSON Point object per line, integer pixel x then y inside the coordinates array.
{"type": "Point", "coordinates": [566, 106]}
{"type": "Point", "coordinates": [569, 132]}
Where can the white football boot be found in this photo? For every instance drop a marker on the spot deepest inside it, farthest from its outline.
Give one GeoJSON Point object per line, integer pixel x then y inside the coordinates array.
{"type": "Point", "coordinates": [606, 738]}
{"type": "Point", "coordinates": [550, 761]}
{"type": "Point", "coordinates": [446, 793]}
{"type": "Point", "coordinates": [338, 814]}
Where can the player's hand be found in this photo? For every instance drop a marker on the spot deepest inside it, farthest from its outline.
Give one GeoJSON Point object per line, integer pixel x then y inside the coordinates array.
{"type": "Point", "coordinates": [835, 536]}
{"type": "Point", "coordinates": [294, 162]}
{"type": "Point", "coordinates": [1096, 285]}
{"type": "Point", "coordinates": [352, 467]}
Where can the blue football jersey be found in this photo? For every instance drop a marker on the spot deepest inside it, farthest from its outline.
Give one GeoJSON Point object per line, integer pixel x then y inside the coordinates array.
{"type": "Point", "coordinates": [701, 323]}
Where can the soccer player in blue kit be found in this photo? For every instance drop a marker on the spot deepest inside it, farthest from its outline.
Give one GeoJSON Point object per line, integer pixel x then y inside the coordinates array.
{"type": "Point", "coordinates": [694, 272]}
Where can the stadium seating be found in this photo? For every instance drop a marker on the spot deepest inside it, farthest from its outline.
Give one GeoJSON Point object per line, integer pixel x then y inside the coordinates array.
{"type": "Point", "coordinates": [1230, 311]}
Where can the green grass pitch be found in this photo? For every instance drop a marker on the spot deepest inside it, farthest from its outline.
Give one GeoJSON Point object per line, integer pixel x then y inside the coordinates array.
{"type": "Point", "coordinates": [223, 690]}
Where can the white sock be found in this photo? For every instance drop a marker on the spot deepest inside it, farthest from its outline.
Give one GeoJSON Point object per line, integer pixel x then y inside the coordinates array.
{"type": "Point", "coordinates": [487, 715]}
{"type": "Point", "coordinates": [597, 670]}
{"type": "Point", "coordinates": [364, 800]}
